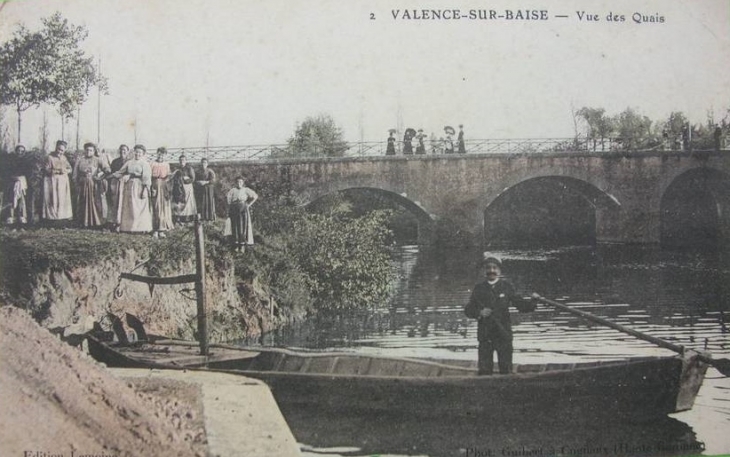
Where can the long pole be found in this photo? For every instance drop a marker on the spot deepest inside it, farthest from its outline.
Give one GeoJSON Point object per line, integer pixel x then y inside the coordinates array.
{"type": "Point", "coordinates": [200, 286]}
{"type": "Point", "coordinates": [613, 325]}
{"type": "Point", "coordinates": [98, 109]}
{"type": "Point", "coordinates": [78, 127]}
{"type": "Point", "coordinates": [722, 365]}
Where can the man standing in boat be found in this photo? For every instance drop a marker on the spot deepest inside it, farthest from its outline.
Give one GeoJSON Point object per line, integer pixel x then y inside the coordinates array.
{"type": "Point", "coordinates": [489, 304]}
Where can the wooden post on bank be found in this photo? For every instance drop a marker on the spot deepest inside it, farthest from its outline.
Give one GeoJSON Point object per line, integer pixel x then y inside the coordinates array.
{"type": "Point", "coordinates": [200, 286]}
{"type": "Point", "coordinates": [198, 278]}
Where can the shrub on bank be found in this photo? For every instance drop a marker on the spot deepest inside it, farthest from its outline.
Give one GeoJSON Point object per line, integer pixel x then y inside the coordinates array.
{"type": "Point", "coordinates": [343, 259]}
{"type": "Point", "coordinates": [330, 260]}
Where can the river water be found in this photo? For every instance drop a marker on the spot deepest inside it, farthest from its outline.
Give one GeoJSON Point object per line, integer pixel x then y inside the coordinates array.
{"type": "Point", "coordinates": [680, 297]}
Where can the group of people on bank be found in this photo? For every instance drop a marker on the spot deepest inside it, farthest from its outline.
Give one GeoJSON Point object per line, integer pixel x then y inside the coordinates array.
{"type": "Point", "coordinates": [414, 142]}
{"type": "Point", "coordinates": [129, 194]}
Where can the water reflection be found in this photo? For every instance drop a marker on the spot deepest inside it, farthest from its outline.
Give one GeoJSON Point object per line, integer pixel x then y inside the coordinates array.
{"type": "Point", "coordinates": [370, 434]}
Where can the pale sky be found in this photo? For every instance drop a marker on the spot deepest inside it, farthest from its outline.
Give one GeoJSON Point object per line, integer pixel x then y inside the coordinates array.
{"type": "Point", "coordinates": [245, 72]}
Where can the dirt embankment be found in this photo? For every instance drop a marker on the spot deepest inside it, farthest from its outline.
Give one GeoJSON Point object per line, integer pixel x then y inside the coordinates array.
{"type": "Point", "coordinates": [62, 298]}
{"type": "Point", "coordinates": [77, 296]}
{"type": "Point", "coordinates": [58, 401]}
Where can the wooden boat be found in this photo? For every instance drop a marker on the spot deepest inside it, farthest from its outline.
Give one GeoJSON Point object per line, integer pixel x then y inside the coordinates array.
{"type": "Point", "coordinates": [637, 387]}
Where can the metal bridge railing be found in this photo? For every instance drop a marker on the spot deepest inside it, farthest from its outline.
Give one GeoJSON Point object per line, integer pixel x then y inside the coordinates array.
{"type": "Point", "coordinates": [433, 147]}
{"type": "Point", "coordinates": [230, 153]}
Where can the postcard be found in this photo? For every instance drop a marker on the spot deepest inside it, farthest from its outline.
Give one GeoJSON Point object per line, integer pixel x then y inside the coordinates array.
{"type": "Point", "coordinates": [579, 149]}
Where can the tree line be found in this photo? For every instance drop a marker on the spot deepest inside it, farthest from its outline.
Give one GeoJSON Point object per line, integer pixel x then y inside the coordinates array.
{"type": "Point", "coordinates": [47, 67]}
{"type": "Point", "coordinates": [630, 130]}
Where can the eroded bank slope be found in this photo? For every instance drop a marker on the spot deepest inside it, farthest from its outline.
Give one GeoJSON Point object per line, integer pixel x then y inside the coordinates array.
{"type": "Point", "coordinates": [70, 278]}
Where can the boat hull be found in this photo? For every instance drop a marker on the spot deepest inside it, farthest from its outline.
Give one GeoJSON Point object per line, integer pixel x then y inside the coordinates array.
{"type": "Point", "coordinates": [642, 388]}
{"type": "Point", "coordinates": [645, 390]}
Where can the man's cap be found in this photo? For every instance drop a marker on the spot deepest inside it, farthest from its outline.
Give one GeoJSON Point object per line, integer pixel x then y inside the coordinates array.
{"type": "Point", "coordinates": [488, 258]}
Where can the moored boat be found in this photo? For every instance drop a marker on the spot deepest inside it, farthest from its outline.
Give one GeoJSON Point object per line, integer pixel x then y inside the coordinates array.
{"type": "Point", "coordinates": [636, 387]}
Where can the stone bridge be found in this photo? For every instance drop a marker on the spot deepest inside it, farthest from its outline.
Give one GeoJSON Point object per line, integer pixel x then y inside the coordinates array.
{"type": "Point", "coordinates": [636, 197]}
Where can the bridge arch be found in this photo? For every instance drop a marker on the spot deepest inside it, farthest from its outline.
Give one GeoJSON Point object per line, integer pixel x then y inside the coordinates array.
{"type": "Point", "coordinates": [695, 210]}
{"type": "Point", "coordinates": [423, 218]}
{"type": "Point", "coordinates": [549, 210]}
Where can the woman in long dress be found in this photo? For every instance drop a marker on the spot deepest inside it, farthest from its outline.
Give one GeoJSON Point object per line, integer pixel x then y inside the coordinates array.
{"type": "Point", "coordinates": [407, 145]}
{"type": "Point", "coordinates": [206, 192]}
{"type": "Point", "coordinates": [134, 207]}
{"type": "Point", "coordinates": [114, 192]}
{"type": "Point", "coordinates": [183, 197]}
{"type": "Point", "coordinates": [87, 174]}
{"type": "Point", "coordinates": [102, 185]}
{"type": "Point", "coordinates": [390, 148]}
{"type": "Point", "coordinates": [461, 147]}
{"type": "Point", "coordinates": [239, 200]}
{"type": "Point", "coordinates": [15, 172]}
{"type": "Point", "coordinates": [161, 208]}
{"type": "Point", "coordinates": [57, 204]}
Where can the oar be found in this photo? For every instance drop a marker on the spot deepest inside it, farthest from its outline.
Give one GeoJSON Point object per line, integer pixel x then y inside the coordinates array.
{"type": "Point", "coordinates": [722, 365]}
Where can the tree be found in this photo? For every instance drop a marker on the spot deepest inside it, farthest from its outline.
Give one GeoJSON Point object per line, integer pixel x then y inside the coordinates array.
{"type": "Point", "coordinates": [703, 136]}
{"type": "Point", "coordinates": [635, 131]}
{"type": "Point", "coordinates": [22, 64]}
{"type": "Point", "coordinates": [4, 133]}
{"type": "Point", "coordinates": [317, 136]}
{"type": "Point", "coordinates": [47, 66]}
{"type": "Point", "coordinates": [599, 126]}
{"type": "Point", "coordinates": [673, 129]}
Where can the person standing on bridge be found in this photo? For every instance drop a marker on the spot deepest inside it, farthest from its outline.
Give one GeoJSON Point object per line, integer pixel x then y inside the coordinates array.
{"type": "Point", "coordinates": [239, 200]}
{"type": "Point", "coordinates": [489, 304]}
{"type": "Point", "coordinates": [390, 148]}
{"type": "Point", "coordinates": [436, 144]}
{"type": "Point", "coordinates": [420, 148]}
{"type": "Point", "coordinates": [407, 141]}
{"type": "Point", "coordinates": [461, 147]}
{"type": "Point", "coordinates": [407, 146]}
{"type": "Point", "coordinates": [449, 142]}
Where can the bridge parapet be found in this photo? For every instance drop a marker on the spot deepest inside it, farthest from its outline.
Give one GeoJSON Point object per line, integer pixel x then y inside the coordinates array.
{"type": "Point", "coordinates": [433, 148]}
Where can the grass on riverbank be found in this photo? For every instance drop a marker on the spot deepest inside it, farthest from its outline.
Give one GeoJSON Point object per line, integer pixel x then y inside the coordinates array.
{"type": "Point", "coordinates": [65, 249]}
{"type": "Point", "coordinates": [26, 253]}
